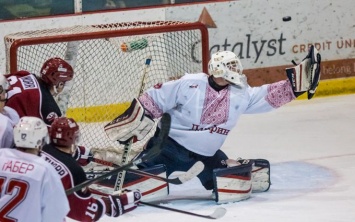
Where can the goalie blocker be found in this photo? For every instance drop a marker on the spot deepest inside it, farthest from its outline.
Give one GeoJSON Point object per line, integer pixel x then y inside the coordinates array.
{"type": "Point", "coordinates": [240, 179]}
{"type": "Point", "coordinates": [131, 124]}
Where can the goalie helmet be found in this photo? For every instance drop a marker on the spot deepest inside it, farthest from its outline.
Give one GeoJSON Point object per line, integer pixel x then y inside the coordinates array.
{"type": "Point", "coordinates": [64, 132]}
{"type": "Point", "coordinates": [31, 132]}
{"type": "Point", "coordinates": [55, 71]}
{"type": "Point", "coordinates": [227, 65]}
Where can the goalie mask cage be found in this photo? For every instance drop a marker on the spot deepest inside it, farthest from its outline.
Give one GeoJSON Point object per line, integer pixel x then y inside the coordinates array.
{"type": "Point", "coordinates": [110, 65]}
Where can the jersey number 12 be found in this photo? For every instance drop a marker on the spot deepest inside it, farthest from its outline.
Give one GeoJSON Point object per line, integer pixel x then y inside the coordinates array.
{"type": "Point", "coordinates": [16, 188]}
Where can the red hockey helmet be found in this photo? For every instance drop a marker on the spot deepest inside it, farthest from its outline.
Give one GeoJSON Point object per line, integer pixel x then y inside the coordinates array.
{"type": "Point", "coordinates": [56, 70]}
{"type": "Point", "coordinates": [64, 132]}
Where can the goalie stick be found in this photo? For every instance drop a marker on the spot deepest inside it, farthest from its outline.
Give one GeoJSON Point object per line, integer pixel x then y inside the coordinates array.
{"type": "Point", "coordinates": [155, 151]}
{"type": "Point", "coordinates": [218, 213]}
{"type": "Point", "coordinates": [121, 174]}
{"type": "Point", "coordinates": [127, 148]}
{"type": "Point", "coordinates": [186, 176]}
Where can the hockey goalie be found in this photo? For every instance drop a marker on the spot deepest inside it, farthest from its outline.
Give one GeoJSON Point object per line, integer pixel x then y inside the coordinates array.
{"type": "Point", "coordinates": [204, 108]}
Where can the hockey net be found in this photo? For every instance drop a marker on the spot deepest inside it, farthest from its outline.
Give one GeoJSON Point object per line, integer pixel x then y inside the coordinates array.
{"type": "Point", "coordinates": [109, 61]}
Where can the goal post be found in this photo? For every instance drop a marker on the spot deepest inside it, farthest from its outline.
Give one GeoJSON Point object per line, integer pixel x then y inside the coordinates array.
{"type": "Point", "coordinates": [110, 64]}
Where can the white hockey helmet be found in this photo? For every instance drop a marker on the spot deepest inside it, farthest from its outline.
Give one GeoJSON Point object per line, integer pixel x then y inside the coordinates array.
{"type": "Point", "coordinates": [227, 65]}
{"type": "Point", "coordinates": [4, 84]}
{"type": "Point", "coordinates": [31, 132]}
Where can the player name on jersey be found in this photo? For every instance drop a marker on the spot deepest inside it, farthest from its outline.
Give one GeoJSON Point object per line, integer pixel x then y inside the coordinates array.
{"type": "Point", "coordinates": [29, 82]}
{"type": "Point", "coordinates": [17, 167]}
{"type": "Point", "coordinates": [57, 166]}
{"type": "Point", "coordinates": [213, 129]}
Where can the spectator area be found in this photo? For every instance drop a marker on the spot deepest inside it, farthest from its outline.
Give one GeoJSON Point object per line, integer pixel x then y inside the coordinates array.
{"type": "Point", "coordinates": [17, 9]}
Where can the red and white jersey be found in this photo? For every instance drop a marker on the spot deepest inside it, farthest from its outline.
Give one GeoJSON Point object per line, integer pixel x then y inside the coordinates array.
{"type": "Point", "coordinates": [201, 117]}
{"type": "Point", "coordinates": [83, 206]}
{"type": "Point", "coordinates": [30, 97]}
{"type": "Point", "coordinates": [8, 119]}
{"type": "Point", "coordinates": [30, 189]}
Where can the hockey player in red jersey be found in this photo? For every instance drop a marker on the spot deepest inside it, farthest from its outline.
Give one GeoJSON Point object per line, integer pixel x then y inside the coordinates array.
{"type": "Point", "coordinates": [8, 117]}
{"type": "Point", "coordinates": [35, 96]}
{"type": "Point", "coordinates": [64, 134]}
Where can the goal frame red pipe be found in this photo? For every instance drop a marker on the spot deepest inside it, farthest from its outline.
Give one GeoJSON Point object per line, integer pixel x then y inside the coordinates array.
{"type": "Point", "coordinates": [114, 33]}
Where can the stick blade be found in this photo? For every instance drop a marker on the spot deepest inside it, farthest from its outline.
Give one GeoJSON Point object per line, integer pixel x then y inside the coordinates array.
{"type": "Point", "coordinates": [218, 213]}
{"type": "Point", "coordinates": [192, 172]}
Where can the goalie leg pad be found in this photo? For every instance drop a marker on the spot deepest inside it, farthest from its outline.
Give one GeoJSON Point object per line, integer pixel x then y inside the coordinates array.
{"type": "Point", "coordinates": [110, 154]}
{"type": "Point", "coordinates": [261, 175]}
{"type": "Point", "coordinates": [150, 188]}
{"type": "Point", "coordinates": [132, 123]}
{"type": "Point", "coordinates": [233, 184]}
{"type": "Point", "coordinates": [260, 172]}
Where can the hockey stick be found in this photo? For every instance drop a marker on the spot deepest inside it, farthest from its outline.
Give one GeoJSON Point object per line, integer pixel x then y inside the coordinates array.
{"type": "Point", "coordinates": [155, 151]}
{"type": "Point", "coordinates": [186, 176]}
{"type": "Point", "coordinates": [121, 174]}
{"type": "Point", "coordinates": [145, 71]}
{"type": "Point", "coordinates": [127, 148]}
{"type": "Point", "coordinates": [218, 213]}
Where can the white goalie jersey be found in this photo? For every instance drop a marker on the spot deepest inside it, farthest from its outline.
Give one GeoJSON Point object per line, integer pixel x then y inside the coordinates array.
{"type": "Point", "coordinates": [199, 111]}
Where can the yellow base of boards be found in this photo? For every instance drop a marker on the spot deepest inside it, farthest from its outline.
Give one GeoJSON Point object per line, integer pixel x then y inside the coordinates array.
{"type": "Point", "coordinates": [332, 87]}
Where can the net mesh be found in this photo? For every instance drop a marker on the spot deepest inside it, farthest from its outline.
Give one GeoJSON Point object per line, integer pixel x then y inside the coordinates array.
{"type": "Point", "coordinates": [110, 66]}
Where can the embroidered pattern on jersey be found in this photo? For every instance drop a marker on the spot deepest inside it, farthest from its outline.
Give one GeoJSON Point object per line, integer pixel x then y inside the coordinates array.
{"type": "Point", "coordinates": [216, 106]}
{"type": "Point", "coordinates": [28, 82]}
{"type": "Point", "coordinates": [149, 105]}
{"type": "Point", "coordinates": [279, 93]}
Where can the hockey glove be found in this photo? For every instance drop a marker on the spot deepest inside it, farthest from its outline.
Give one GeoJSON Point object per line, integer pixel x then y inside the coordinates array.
{"type": "Point", "coordinates": [306, 75]}
{"type": "Point", "coordinates": [83, 155]}
{"type": "Point", "coordinates": [117, 205]}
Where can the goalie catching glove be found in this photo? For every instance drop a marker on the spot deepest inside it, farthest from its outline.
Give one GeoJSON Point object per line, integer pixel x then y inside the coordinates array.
{"type": "Point", "coordinates": [131, 124]}
{"type": "Point", "coordinates": [306, 75]}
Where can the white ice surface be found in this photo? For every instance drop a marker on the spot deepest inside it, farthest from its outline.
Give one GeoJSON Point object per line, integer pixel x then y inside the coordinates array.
{"type": "Point", "coordinates": [310, 145]}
